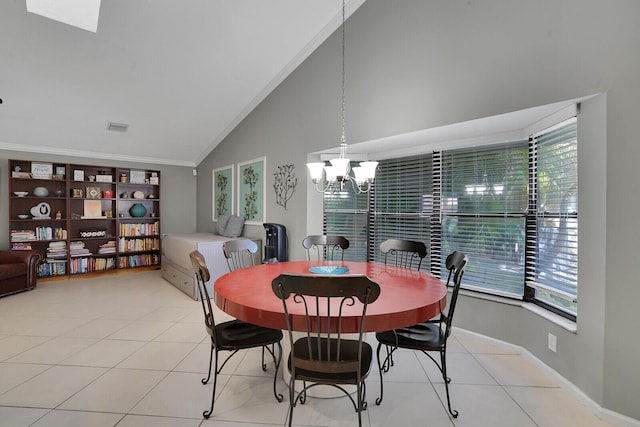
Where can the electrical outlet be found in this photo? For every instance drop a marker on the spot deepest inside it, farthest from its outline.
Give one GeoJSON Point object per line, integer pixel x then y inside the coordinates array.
{"type": "Point", "coordinates": [552, 342]}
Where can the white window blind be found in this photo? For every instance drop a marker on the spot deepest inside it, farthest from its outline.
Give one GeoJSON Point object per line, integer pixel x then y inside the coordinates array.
{"type": "Point", "coordinates": [346, 214]}
{"type": "Point", "coordinates": [402, 204]}
{"type": "Point", "coordinates": [484, 202]}
{"type": "Point", "coordinates": [552, 229]}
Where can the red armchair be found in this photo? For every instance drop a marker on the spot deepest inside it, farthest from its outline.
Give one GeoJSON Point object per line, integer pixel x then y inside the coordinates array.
{"type": "Point", "coordinates": [18, 271]}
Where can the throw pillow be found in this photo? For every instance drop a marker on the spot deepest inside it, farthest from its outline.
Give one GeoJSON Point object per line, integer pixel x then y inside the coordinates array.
{"type": "Point", "coordinates": [234, 226]}
{"type": "Point", "coordinates": [222, 224]}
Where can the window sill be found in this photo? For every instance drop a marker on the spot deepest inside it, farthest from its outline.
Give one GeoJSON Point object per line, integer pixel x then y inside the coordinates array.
{"type": "Point", "coordinates": [545, 314]}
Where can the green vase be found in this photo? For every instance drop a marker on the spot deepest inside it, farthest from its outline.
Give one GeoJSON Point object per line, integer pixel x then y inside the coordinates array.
{"type": "Point", "coordinates": [138, 210]}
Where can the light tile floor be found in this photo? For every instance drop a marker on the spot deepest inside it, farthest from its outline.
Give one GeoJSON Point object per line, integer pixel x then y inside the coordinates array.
{"type": "Point", "coordinates": [130, 349]}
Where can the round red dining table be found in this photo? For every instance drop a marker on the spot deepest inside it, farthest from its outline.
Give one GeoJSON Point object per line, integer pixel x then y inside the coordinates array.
{"type": "Point", "coordinates": [406, 297]}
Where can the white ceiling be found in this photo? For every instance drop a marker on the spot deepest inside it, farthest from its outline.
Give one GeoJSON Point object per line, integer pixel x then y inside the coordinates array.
{"type": "Point", "coordinates": [182, 74]}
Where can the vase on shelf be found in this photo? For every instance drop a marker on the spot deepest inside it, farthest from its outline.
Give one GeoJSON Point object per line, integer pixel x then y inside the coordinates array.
{"type": "Point", "coordinates": [138, 210]}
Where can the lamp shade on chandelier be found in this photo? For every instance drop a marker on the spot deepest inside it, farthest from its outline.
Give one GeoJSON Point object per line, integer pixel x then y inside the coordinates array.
{"type": "Point", "coordinates": [338, 171]}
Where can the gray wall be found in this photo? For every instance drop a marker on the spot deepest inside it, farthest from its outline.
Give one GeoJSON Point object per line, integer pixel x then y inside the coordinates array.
{"type": "Point", "coordinates": [418, 64]}
{"type": "Point", "coordinates": [177, 191]}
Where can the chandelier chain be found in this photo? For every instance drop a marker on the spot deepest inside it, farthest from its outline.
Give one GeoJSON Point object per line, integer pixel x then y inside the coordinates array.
{"type": "Point", "coordinates": [344, 136]}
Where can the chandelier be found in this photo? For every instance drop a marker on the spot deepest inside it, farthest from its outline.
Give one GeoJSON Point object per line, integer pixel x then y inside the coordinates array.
{"type": "Point", "coordinates": [338, 172]}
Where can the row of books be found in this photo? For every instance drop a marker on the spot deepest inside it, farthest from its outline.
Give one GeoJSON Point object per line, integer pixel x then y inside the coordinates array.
{"type": "Point", "coordinates": [149, 229]}
{"type": "Point", "coordinates": [89, 264]}
{"type": "Point", "coordinates": [138, 245]}
{"type": "Point", "coordinates": [52, 267]}
{"type": "Point", "coordinates": [138, 260]}
{"type": "Point", "coordinates": [39, 233]}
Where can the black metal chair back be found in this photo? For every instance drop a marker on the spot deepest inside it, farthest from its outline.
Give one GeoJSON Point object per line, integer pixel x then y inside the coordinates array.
{"type": "Point", "coordinates": [405, 253]}
{"type": "Point", "coordinates": [233, 335]}
{"type": "Point", "coordinates": [324, 247]}
{"type": "Point", "coordinates": [323, 355]}
{"type": "Point", "coordinates": [239, 253]}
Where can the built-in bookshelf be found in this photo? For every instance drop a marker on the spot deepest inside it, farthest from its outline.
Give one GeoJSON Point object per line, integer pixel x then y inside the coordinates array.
{"type": "Point", "coordinates": [84, 218]}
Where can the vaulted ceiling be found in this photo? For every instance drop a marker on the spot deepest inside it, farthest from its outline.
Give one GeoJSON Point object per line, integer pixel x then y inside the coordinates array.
{"type": "Point", "coordinates": [182, 74]}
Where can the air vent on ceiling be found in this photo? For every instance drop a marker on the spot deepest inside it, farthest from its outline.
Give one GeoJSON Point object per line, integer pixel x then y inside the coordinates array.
{"type": "Point", "coordinates": [117, 127]}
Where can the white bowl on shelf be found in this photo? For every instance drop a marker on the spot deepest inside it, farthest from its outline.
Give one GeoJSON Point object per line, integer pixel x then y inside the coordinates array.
{"type": "Point", "coordinates": [23, 216]}
{"type": "Point", "coordinates": [21, 193]}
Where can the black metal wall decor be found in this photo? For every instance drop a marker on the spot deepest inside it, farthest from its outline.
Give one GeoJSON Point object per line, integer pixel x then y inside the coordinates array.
{"type": "Point", "coordinates": [285, 183]}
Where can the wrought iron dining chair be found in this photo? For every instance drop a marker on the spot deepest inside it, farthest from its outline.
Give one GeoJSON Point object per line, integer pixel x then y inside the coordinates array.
{"type": "Point", "coordinates": [232, 335]}
{"type": "Point", "coordinates": [325, 247]}
{"type": "Point", "coordinates": [323, 355]}
{"type": "Point", "coordinates": [239, 253]}
{"type": "Point", "coordinates": [430, 336]}
{"type": "Point", "coordinates": [404, 253]}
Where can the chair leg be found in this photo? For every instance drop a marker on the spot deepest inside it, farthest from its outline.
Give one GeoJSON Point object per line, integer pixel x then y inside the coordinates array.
{"type": "Point", "coordinates": [292, 398]}
{"type": "Point", "coordinates": [276, 362]}
{"type": "Point", "coordinates": [206, 380]}
{"type": "Point", "coordinates": [383, 367]}
{"type": "Point", "coordinates": [208, 413]}
{"type": "Point", "coordinates": [447, 380]}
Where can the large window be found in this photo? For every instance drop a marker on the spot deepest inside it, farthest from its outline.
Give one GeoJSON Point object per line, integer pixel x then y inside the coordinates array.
{"type": "Point", "coordinates": [512, 207]}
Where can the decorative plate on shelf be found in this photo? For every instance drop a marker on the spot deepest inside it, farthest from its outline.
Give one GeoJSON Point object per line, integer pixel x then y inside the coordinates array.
{"type": "Point", "coordinates": [328, 269]}
{"type": "Point", "coordinates": [138, 195]}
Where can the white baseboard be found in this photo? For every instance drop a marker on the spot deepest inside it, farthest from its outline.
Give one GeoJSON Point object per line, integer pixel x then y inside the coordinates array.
{"type": "Point", "coordinates": [604, 414]}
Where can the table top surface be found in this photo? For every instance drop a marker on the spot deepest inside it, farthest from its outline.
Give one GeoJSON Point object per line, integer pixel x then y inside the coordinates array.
{"type": "Point", "coordinates": [406, 296]}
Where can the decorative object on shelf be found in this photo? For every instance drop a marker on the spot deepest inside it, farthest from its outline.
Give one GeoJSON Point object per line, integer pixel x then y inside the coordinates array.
{"type": "Point", "coordinates": [338, 172]}
{"type": "Point", "coordinates": [152, 214]}
{"type": "Point", "coordinates": [107, 194]}
{"type": "Point", "coordinates": [138, 210]}
{"type": "Point", "coordinates": [138, 195]}
{"type": "Point", "coordinates": [18, 174]}
{"type": "Point", "coordinates": [59, 193]}
{"type": "Point", "coordinates": [251, 191]}
{"type": "Point", "coordinates": [41, 170]}
{"type": "Point", "coordinates": [104, 178]}
{"type": "Point", "coordinates": [285, 183]}
{"type": "Point", "coordinates": [23, 216]}
{"type": "Point", "coordinates": [77, 193]}
{"type": "Point", "coordinates": [61, 171]}
{"type": "Point", "coordinates": [155, 179]}
{"type": "Point", "coordinates": [137, 177]}
{"type": "Point", "coordinates": [21, 193]}
{"type": "Point", "coordinates": [58, 215]}
{"type": "Point", "coordinates": [41, 211]}
{"type": "Point", "coordinates": [40, 192]}
{"type": "Point", "coordinates": [124, 195]}
{"type": "Point", "coordinates": [92, 209]}
{"type": "Point", "coordinates": [123, 178]}
{"type": "Point", "coordinates": [93, 233]}
{"type": "Point", "coordinates": [78, 175]}
{"type": "Point", "coordinates": [93, 193]}
{"type": "Point", "coordinates": [92, 178]}
{"type": "Point", "coordinates": [151, 196]}
{"type": "Point", "coordinates": [108, 213]}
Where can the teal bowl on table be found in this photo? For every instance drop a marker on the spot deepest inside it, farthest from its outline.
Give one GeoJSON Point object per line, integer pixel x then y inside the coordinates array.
{"type": "Point", "coordinates": [328, 269]}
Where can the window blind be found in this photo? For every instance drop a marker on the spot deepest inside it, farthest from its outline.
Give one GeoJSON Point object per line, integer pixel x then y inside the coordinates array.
{"type": "Point", "coordinates": [552, 228]}
{"type": "Point", "coordinates": [484, 201]}
{"type": "Point", "coordinates": [402, 204]}
{"type": "Point", "coordinates": [346, 214]}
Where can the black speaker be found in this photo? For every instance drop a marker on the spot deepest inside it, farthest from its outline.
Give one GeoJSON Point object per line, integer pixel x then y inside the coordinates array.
{"type": "Point", "coordinates": [275, 249]}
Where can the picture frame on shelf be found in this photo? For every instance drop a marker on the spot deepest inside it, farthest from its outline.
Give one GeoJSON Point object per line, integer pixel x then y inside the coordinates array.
{"type": "Point", "coordinates": [78, 175]}
{"type": "Point", "coordinates": [61, 171]}
{"type": "Point", "coordinates": [251, 191]}
{"type": "Point", "coordinates": [223, 183]}
{"type": "Point", "coordinates": [137, 177]}
{"type": "Point", "coordinates": [92, 209]}
{"type": "Point", "coordinates": [41, 170]}
{"type": "Point", "coordinates": [77, 193]}
{"type": "Point", "coordinates": [94, 193]}
{"type": "Point", "coordinates": [104, 178]}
